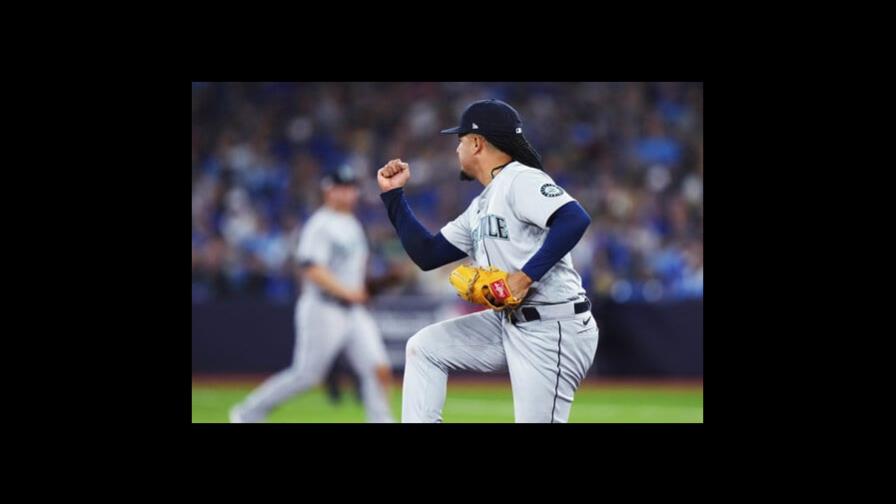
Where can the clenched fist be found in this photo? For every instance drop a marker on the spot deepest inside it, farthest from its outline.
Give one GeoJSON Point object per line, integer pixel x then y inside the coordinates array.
{"type": "Point", "coordinates": [395, 174]}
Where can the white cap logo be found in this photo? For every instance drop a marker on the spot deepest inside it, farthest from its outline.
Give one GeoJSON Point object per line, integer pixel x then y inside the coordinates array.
{"type": "Point", "coordinates": [519, 130]}
{"type": "Point", "coordinates": [475, 126]}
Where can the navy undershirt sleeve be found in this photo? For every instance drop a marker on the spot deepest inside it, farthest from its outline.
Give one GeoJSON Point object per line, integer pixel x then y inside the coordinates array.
{"type": "Point", "coordinates": [427, 251]}
{"type": "Point", "coordinates": [567, 225]}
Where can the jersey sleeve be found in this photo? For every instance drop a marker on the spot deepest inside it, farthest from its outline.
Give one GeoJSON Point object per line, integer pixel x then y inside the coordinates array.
{"type": "Point", "coordinates": [534, 197]}
{"type": "Point", "coordinates": [314, 245]}
{"type": "Point", "coordinates": [458, 232]}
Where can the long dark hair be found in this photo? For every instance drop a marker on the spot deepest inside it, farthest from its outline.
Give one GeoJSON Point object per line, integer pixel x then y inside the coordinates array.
{"type": "Point", "coordinates": [517, 147]}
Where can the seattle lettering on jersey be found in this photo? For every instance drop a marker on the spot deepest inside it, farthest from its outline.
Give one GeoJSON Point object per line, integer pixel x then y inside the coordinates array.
{"type": "Point", "coordinates": [493, 225]}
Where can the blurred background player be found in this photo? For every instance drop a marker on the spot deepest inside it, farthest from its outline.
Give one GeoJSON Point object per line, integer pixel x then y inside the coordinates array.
{"type": "Point", "coordinates": [330, 315]}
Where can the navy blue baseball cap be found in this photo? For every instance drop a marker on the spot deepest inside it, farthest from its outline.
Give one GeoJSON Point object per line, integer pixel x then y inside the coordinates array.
{"type": "Point", "coordinates": [488, 117]}
{"type": "Point", "coordinates": [501, 125]}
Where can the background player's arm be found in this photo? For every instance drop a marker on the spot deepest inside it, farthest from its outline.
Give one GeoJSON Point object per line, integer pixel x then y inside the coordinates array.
{"type": "Point", "coordinates": [428, 251]}
{"type": "Point", "coordinates": [314, 250]}
{"type": "Point", "coordinates": [325, 279]}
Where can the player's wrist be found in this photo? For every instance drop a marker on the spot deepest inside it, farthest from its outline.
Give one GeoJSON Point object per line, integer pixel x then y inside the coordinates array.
{"type": "Point", "coordinates": [391, 193]}
{"type": "Point", "coordinates": [528, 276]}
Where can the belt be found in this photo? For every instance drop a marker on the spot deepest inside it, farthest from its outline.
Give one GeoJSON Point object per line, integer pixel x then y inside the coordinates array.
{"type": "Point", "coordinates": [549, 312]}
{"type": "Point", "coordinates": [333, 299]}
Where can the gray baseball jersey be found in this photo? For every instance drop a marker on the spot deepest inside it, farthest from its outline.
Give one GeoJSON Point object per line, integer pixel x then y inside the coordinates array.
{"type": "Point", "coordinates": [325, 326]}
{"type": "Point", "coordinates": [546, 356]}
{"type": "Point", "coordinates": [506, 225]}
{"type": "Point", "coordinates": [335, 240]}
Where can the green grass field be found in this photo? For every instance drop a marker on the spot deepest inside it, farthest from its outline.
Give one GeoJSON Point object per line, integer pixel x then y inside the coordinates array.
{"type": "Point", "coordinates": [472, 403]}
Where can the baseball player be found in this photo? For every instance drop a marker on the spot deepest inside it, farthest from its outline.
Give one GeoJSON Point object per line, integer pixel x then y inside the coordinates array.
{"type": "Point", "coordinates": [518, 232]}
{"type": "Point", "coordinates": [330, 315]}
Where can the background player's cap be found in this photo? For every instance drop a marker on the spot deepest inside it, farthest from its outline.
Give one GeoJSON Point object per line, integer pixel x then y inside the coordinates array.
{"type": "Point", "coordinates": [345, 175]}
{"type": "Point", "coordinates": [488, 116]}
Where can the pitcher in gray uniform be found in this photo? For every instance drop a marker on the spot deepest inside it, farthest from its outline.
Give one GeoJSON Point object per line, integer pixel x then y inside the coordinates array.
{"type": "Point", "coordinates": [330, 314]}
{"type": "Point", "coordinates": [526, 225]}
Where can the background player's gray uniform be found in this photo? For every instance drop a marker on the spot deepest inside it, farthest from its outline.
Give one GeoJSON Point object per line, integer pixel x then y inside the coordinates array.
{"type": "Point", "coordinates": [325, 326]}
{"type": "Point", "coordinates": [547, 358]}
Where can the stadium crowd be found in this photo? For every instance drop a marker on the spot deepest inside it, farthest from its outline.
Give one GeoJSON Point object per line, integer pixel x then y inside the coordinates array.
{"type": "Point", "coordinates": [631, 153]}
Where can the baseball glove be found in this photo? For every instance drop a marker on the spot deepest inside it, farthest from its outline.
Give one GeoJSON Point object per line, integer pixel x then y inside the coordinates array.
{"type": "Point", "coordinates": [485, 286]}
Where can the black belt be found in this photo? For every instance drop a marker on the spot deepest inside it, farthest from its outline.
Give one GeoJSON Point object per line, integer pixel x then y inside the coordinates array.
{"type": "Point", "coordinates": [333, 299]}
{"type": "Point", "coordinates": [531, 313]}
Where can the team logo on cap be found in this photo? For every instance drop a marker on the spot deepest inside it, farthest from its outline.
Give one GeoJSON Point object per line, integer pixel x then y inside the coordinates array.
{"type": "Point", "coordinates": [551, 191]}
{"type": "Point", "coordinates": [475, 126]}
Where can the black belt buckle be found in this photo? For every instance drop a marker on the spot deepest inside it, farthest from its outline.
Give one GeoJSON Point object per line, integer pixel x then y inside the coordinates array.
{"type": "Point", "coordinates": [530, 313]}
{"type": "Point", "coordinates": [582, 307]}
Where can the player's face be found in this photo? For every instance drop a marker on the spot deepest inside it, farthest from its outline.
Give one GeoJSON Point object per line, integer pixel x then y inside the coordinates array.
{"type": "Point", "coordinates": [348, 196]}
{"type": "Point", "coordinates": [465, 154]}
{"type": "Point", "coordinates": [342, 197]}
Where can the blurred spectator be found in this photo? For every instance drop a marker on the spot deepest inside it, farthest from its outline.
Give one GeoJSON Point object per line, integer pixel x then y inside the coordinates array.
{"type": "Point", "coordinates": [631, 153]}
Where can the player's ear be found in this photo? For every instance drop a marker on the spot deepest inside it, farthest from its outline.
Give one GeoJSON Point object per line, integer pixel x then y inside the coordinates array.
{"type": "Point", "coordinates": [478, 143]}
